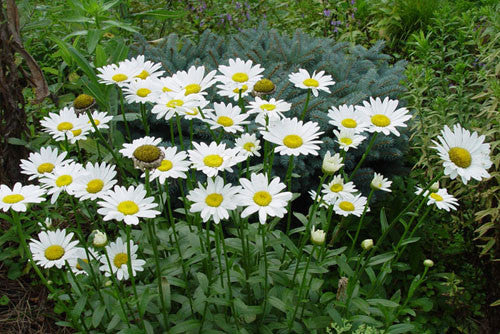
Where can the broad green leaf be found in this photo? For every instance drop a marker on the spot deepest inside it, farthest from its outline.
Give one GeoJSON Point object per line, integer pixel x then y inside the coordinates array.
{"type": "Point", "coordinates": [97, 315]}
{"type": "Point", "coordinates": [383, 302]}
{"type": "Point", "coordinates": [161, 14]}
{"type": "Point", "coordinates": [495, 303]}
{"type": "Point", "coordinates": [80, 304]}
{"type": "Point", "coordinates": [382, 258]}
{"type": "Point", "coordinates": [410, 241]}
{"type": "Point", "coordinates": [93, 38]}
{"type": "Point", "coordinates": [185, 327]}
{"type": "Point", "coordinates": [277, 303]}
{"type": "Point", "coordinates": [400, 328]}
{"type": "Point", "coordinates": [383, 220]}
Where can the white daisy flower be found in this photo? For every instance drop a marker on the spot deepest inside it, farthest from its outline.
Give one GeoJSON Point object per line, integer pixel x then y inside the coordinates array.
{"type": "Point", "coordinates": [350, 205]}
{"type": "Point", "coordinates": [61, 179]}
{"type": "Point", "coordinates": [195, 113]}
{"type": "Point", "coordinates": [210, 159]}
{"type": "Point", "coordinates": [293, 137]}
{"type": "Point", "coordinates": [68, 123]}
{"type": "Point", "coordinates": [268, 199]}
{"type": "Point", "coordinates": [53, 248]}
{"type": "Point", "coordinates": [336, 189]}
{"type": "Point", "coordinates": [229, 91]}
{"type": "Point", "coordinates": [228, 117]}
{"type": "Point", "coordinates": [346, 117]}
{"type": "Point", "coordinates": [95, 181]}
{"type": "Point", "coordinates": [440, 198]}
{"type": "Point", "coordinates": [127, 204]}
{"type": "Point", "coordinates": [167, 105]}
{"type": "Point", "coordinates": [119, 258]}
{"type": "Point", "coordinates": [315, 82]}
{"type": "Point", "coordinates": [118, 74]}
{"type": "Point", "coordinates": [322, 203]}
{"type": "Point", "coordinates": [174, 165]}
{"type": "Point", "coordinates": [273, 109]}
{"type": "Point", "coordinates": [379, 182]}
{"type": "Point", "coordinates": [239, 74]}
{"type": "Point", "coordinates": [332, 163]}
{"type": "Point", "coordinates": [101, 120]}
{"type": "Point", "coordinates": [81, 255]}
{"type": "Point", "coordinates": [215, 200]}
{"type": "Point", "coordinates": [169, 85]}
{"type": "Point", "coordinates": [42, 162]}
{"type": "Point", "coordinates": [248, 145]}
{"type": "Point", "coordinates": [144, 152]}
{"type": "Point", "coordinates": [147, 69]}
{"type": "Point", "coordinates": [19, 196]}
{"type": "Point", "coordinates": [142, 91]}
{"type": "Point", "coordinates": [194, 80]}
{"type": "Point", "coordinates": [347, 138]}
{"type": "Point", "coordinates": [383, 115]}
{"type": "Point", "coordinates": [463, 153]}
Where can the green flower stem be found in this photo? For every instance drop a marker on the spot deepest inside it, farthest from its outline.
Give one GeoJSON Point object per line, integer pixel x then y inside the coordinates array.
{"type": "Point", "coordinates": [302, 285]}
{"type": "Point", "coordinates": [218, 252]}
{"type": "Point", "coordinates": [186, 208]}
{"type": "Point", "coordinates": [419, 223]}
{"type": "Point", "coordinates": [144, 117]}
{"type": "Point", "coordinates": [172, 137]}
{"type": "Point", "coordinates": [363, 157]}
{"type": "Point", "coordinates": [327, 229]}
{"type": "Point", "coordinates": [266, 265]}
{"type": "Point", "coordinates": [66, 144]}
{"type": "Point", "coordinates": [214, 137]}
{"type": "Point", "coordinates": [271, 160]}
{"type": "Point", "coordinates": [125, 123]}
{"type": "Point", "coordinates": [372, 190]}
{"type": "Point", "coordinates": [132, 277]}
{"type": "Point", "coordinates": [230, 289]}
{"type": "Point", "coordinates": [179, 130]}
{"type": "Point", "coordinates": [209, 251]}
{"type": "Point", "coordinates": [241, 102]}
{"type": "Point", "coordinates": [191, 134]}
{"type": "Point", "coordinates": [67, 288]}
{"type": "Point", "coordinates": [308, 97]}
{"type": "Point", "coordinates": [288, 182]}
{"type": "Point", "coordinates": [79, 152]}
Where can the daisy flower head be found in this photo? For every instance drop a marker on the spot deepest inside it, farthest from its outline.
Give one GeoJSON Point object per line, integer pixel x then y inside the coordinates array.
{"type": "Point", "coordinates": [347, 138]}
{"type": "Point", "coordinates": [194, 112]}
{"type": "Point", "coordinates": [337, 189]}
{"type": "Point", "coordinates": [95, 181]}
{"type": "Point", "coordinates": [119, 259]}
{"type": "Point", "coordinates": [350, 205]}
{"type": "Point", "coordinates": [272, 109]}
{"type": "Point", "coordinates": [248, 144]}
{"type": "Point", "coordinates": [174, 165]}
{"type": "Point", "coordinates": [210, 159]}
{"type": "Point", "coordinates": [346, 117]}
{"type": "Point", "coordinates": [239, 74]}
{"type": "Point", "coordinates": [379, 182]}
{"type": "Point", "coordinates": [266, 198]}
{"type": "Point", "coordinates": [315, 82]}
{"type": "Point", "coordinates": [66, 124]}
{"type": "Point", "coordinates": [61, 179]}
{"type": "Point", "coordinates": [293, 137]}
{"type": "Point", "coordinates": [120, 74]}
{"type": "Point", "coordinates": [440, 198]}
{"type": "Point", "coordinates": [53, 248]}
{"type": "Point", "coordinates": [384, 116]}
{"type": "Point", "coordinates": [81, 255]}
{"type": "Point", "coordinates": [19, 196]}
{"type": "Point", "coordinates": [194, 80]}
{"type": "Point", "coordinates": [228, 117]}
{"type": "Point", "coordinates": [142, 91]}
{"type": "Point", "coordinates": [146, 69]}
{"type": "Point", "coordinates": [170, 104]}
{"type": "Point", "coordinates": [101, 120]}
{"type": "Point", "coordinates": [228, 90]}
{"type": "Point", "coordinates": [317, 236]}
{"type": "Point", "coordinates": [128, 205]}
{"type": "Point", "coordinates": [214, 201]}
{"type": "Point", "coordinates": [40, 163]}
{"type": "Point", "coordinates": [332, 163]}
{"type": "Point", "coordinates": [144, 152]}
{"type": "Point", "coordinates": [463, 153]}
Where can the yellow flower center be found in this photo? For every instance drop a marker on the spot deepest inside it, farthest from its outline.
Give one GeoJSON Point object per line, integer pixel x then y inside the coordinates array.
{"type": "Point", "coordinates": [166, 165]}
{"type": "Point", "coordinates": [78, 266]}
{"type": "Point", "coordinates": [262, 198]}
{"type": "Point", "coordinates": [346, 141]}
{"type": "Point", "coordinates": [46, 167]}
{"type": "Point", "coordinates": [346, 206]}
{"type": "Point", "coordinates": [249, 146]}
{"type": "Point", "coordinates": [292, 141]}
{"type": "Point", "coordinates": [193, 113]}
{"type": "Point", "coordinates": [119, 77]}
{"type": "Point", "coordinates": [192, 89]}
{"type": "Point", "coordinates": [143, 75]}
{"type": "Point", "coordinates": [64, 180]}
{"type": "Point", "coordinates": [64, 126]}
{"type": "Point", "coordinates": [14, 198]}
{"type": "Point", "coordinates": [268, 107]}
{"type": "Point", "coordinates": [214, 200]}
{"type": "Point", "coordinates": [336, 187]}
{"type": "Point", "coordinates": [311, 82]}
{"type": "Point", "coordinates": [436, 197]}
{"type": "Point", "coordinates": [128, 208]}
{"type": "Point", "coordinates": [243, 89]}
{"type": "Point", "coordinates": [166, 89]}
{"type": "Point", "coordinates": [349, 123]}
{"type": "Point", "coordinates": [54, 252]}
{"type": "Point", "coordinates": [240, 77]}
{"type": "Point", "coordinates": [460, 157]}
{"type": "Point", "coordinates": [213, 160]}
{"type": "Point", "coordinates": [77, 132]}
{"type": "Point", "coordinates": [225, 121]}
{"type": "Point", "coordinates": [175, 103]}
{"type": "Point", "coordinates": [120, 259]}
{"type": "Point", "coordinates": [147, 153]}
{"type": "Point", "coordinates": [95, 186]}
{"type": "Point", "coordinates": [96, 121]}
{"type": "Point", "coordinates": [143, 92]}
{"type": "Point", "coordinates": [380, 120]}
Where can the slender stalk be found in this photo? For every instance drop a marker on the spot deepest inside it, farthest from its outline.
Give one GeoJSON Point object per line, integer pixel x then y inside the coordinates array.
{"type": "Point", "coordinates": [179, 131]}
{"type": "Point", "coordinates": [132, 277]}
{"type": "Point", "coordinates": [363, 157]}
{"type": "Point", "coordinates": [144, 116]}
{"type": "Point", "coordinates": [125, 123]}
{"type": "Point", "coordinates": [301, 288]}
{"type": "Point", "coordinates": [79, 152]}
{"type": "Point", "coordinates": [230, 289]}
{"type": "Point", "coordinates": [360, 223]}
{"type": "Point", "coordinates": [266, 265]}
{"type": "Point", "coordinates": [308, 96]}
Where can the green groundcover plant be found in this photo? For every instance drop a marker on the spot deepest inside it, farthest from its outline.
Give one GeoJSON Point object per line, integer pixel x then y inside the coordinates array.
{"type": "Point", "coordinates": [119, 253]}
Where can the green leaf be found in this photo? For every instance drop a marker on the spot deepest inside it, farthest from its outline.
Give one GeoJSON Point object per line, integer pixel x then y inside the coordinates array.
{"type": "Point", "coordinates": [100, 56]}
{"type": "Point", "coordinates": [400, 328]}
{"type": "Point", "coordinates": [121, 25]}
{"type": "Point", "coordinates": [119, 51]}
{"type": "Point", "coordinates": [17, 141]}
{"type": "Point", "coordinates": [114, 321]}
{"type": "Point", "coordinates": [327, 297]}
{"type": "Point", "coordinates": [426, 304]}
{"type": "Point", "coordinates": [110, 5]}
{"type": "Point", "coordinates": [361, 304]}
{"type": "Point", "coordinates": [288, 243]}
{"type": "Point", "coordinates": [382, 258]}
{"type": "Point", "coordinates": [185, 327]}
{"type": "Point", "coordinates": [203, 280]}
{"type": "Point", "coordinates": [383, 220]}
{"type": "Point", "coordinates": [97, 315]}
{"type": "Point", "coordinates": [277, 303]}
{"type": "Point", "coordinates": [80, 304]}
{"type": "Point", "coordinates": [4, 300]}
{"type": "Point", "coordinates": [342, 263]}
{"type": "Point", "coordinates": [410, 241]}
{"type": "Point", "coordinates": [366, 320]}
{"type": "Point", "coordinates": [383, 302]}
{"type": "Point", "coordinates": [161, 14]}
{"type": "Point", "coordinates": [495, 303]}
{"type": "Point", "coordinates": [93, 38]}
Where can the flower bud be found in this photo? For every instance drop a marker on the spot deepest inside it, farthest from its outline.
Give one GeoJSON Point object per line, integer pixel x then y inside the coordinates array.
{"type": "Point", "coordinates": [318, 237]}
{"type": "Point", "coordinates": [108, 283]}
{"type": "Point", "coordinates": [100, 238]}
{"type": "Point", "coordinates": [435, 187]}
{"type": "Point", "coordinates": [428, 263]}
{"type": "Point", "coordinates": [332, 164]}
{"type": "Point", "coordinates": [367, 244]}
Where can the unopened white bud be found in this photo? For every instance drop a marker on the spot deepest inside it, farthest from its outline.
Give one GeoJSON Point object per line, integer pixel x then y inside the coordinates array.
{"type": "Point", "coordinates": [435, 187]}
{"type": "Point", "coordinates": [331, 164]}
{"type": "Point", "coordinates": [100, 238]}
{"type": "Point", "coordinates": [428, 263]}
{"type": "Point", "coordinates": [367, 244]}
{"type": "Point", "coordinates": [318, 237]}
